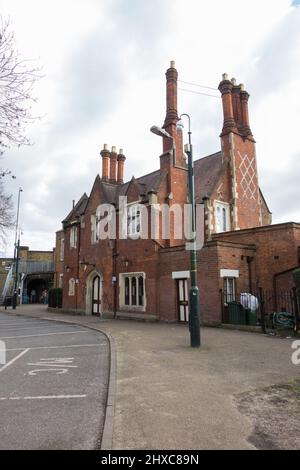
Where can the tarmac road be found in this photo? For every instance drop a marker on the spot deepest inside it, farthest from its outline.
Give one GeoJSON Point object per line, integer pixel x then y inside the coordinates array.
{"type": "Point", "coordinates": [53, 386]}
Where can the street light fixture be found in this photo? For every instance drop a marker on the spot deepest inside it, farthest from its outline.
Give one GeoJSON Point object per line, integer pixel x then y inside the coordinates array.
{"type": "Point", "coordinates": [16, 254]}
{"type": "Point", "coordinates": [194, 318]}
{"type": "Point", "coordinates": [162, 133]}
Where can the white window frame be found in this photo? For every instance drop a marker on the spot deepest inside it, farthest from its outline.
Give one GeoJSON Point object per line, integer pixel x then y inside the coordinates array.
{"type": "Point", "coordinates": [133, 213]}
{"type": "Point", "coordinates": [73, 237]}
{"type": "Point", "coordinates": [225, 221]}
{"type": "Point", "coordinates": [95, 228]}
{"type": "Point", "coordinates": [130, 305]}
{"type": "Point", "coordinates": [61, 281]}
{"type": "Point", "coordinates": [229, 294]}
{"type": "Point", "coordinates": [62, 249]}
{"type": "Point", "coordinates": [72, 284]}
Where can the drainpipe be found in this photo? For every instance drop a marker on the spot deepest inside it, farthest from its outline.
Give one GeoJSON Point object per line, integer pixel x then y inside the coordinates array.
{"type": "Point", "coordinates": [77, 273]}
{"type": "Point", "coordinates": [249, 261]}
{"type": "Point", "coordinates": [114, 274]}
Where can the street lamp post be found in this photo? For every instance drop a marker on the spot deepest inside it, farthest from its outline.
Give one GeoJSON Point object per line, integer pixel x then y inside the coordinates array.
{"type": "Point", "coordinates": [16, 255]}
{"type": "Point", "coordinates": [194, 290]}
{"type": "Point", "coordinates": [194, 317]}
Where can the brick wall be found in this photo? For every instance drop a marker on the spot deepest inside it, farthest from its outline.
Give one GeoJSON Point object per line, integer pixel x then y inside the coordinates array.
{"type": "Point", "coordinates": [276, 249]}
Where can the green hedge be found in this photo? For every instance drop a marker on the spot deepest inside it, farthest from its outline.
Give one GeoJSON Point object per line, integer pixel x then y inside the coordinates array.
{"type": "Point", "coordinates": [55, 298]}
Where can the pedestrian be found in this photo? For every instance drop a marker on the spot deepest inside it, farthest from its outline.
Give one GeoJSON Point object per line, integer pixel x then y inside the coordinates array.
{"type": "Point", "coordinates": [33, 296]}
{"type": "Point", "coordinates": [44, 298]}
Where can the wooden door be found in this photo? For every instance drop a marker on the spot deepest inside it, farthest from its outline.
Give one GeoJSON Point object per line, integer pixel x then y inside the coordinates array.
{"type": "Point", "coordinates": [183, 300]}
{"type": "Point", "coordinates": [96, 299]}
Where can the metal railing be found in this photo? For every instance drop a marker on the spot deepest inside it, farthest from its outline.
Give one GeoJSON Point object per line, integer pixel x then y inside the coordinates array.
{"type": "Point", "coordinates": [270, 309]}
{"type": "Point", "coordinates": [8, 286]}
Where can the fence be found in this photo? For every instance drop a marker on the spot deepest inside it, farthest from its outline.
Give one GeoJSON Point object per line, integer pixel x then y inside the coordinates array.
{"type": "Point", "coordinates": [268, 309]}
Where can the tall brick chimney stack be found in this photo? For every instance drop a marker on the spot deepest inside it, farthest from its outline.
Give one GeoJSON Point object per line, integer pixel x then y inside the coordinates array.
{"type": "Point", "coordinates": [121, 160]}
{"type": "Point", "coordinates": [113, 166]}
{"type": "Point", "coordinates": [225, 88]}
{"type": "Point", "coordinates": [172, 118]}
{"type": "Point", "coordinates": [105, 154]}
{"type": "Point", "coordinates": [171, 114]}
{"type": "Point", "coordinates": [236, 104]}
{"type": "Point", "coordinates": [244, 96]}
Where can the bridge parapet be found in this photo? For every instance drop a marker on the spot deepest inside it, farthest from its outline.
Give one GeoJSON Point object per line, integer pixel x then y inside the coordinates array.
{"type": "Point", "coordinates": [29, 267]}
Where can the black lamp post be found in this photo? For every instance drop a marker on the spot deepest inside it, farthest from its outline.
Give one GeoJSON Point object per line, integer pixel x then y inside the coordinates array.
{"type": "Point", "coordinates": [194, 290]}
{"type": "Point", "coordinates": [194, 317]}
{"type": "Point", "coordinates": [16, 256]}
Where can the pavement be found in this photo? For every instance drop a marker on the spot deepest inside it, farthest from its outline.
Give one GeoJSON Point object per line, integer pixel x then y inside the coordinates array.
{"type": "Point", "coordinates": [165, 395]}
{"type": "Point", "coordinates": [53, 385]}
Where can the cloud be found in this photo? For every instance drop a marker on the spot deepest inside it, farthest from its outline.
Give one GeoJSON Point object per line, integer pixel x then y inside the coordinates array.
{"type": "Point", "coordinates": [277, 188]}
{"type": "Point", "coordinates": [104, 64]}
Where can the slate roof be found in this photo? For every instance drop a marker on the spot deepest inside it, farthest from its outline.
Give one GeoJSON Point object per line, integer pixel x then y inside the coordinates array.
{"type": "Point", "coordinates": [207, 171]}
{"type": "Point", "coordinates": [78, 209]}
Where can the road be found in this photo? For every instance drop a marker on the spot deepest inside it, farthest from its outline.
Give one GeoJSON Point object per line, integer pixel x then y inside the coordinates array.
{"type": "Point", "coordinates": [53, 385]}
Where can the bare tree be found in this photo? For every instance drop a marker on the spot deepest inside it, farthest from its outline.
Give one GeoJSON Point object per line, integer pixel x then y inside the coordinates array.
{"type": "Point", "coordinates": [17, 77]}
{"type": "Point", "coordinates": [6, 213]}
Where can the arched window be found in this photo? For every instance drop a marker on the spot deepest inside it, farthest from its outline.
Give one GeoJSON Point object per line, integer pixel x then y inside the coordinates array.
{"type": "Point", "coordinates": [133, 291]}
{"type": "Point", "coordinates": [127, 284]}
{"type": "Point", "coordinates": [141, 291]}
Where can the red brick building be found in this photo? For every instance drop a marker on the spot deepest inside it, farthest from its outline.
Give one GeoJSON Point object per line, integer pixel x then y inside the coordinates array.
{"type": "Point", "coordinates": [149, 277]}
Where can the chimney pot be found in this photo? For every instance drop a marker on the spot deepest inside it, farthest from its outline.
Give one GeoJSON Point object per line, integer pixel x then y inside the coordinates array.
{"type": "Point", "coordinates": [233, 81]}
{"type": "Point", "coordinates": [113, 165]}
{"type": "Point", "coordinates": [121, 160]}
{"type": "Point", "coordinates": [225, 76]}
{"type": "Point", "coordinates": [105, 154]}
{"type": "Point", "coordinates": [172, 64]}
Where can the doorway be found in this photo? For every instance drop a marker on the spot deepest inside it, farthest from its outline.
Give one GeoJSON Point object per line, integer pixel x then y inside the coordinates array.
{"type": "Point", "coordinates": [96, 296]}
{"type": "Point", "coordinates": [183, 300]}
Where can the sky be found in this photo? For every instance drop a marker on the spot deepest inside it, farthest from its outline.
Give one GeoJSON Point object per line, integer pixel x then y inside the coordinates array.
{"type": "Point", "coordinates": [104, 64]}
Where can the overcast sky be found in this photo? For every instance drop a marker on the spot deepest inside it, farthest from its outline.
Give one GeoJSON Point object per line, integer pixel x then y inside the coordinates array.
{"type": "Point", "coordinates": [104, 63]}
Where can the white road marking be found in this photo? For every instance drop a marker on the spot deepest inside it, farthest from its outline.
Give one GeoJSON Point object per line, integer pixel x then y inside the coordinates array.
{"type": "Point", "coordinates": [60, 365]}
{"type": "Point", "coordinates": [16, 323]}
{"type": "Point", "coordinates": [36, 326]}
{"type": "Point", "coordinates": [14, 359]}
{"type": "Point", "coordinates": [59, 347]}
{"type": "Point", "coordinates": [45, 334]}
{"type": "Point", "coordinates": [55, 369]}
{"type": "Point", "coordinates": [46, 397]}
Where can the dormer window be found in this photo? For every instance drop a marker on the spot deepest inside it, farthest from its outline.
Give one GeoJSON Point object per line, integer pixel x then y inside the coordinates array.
{"type": "Point", "coordinates": [222, 216]}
